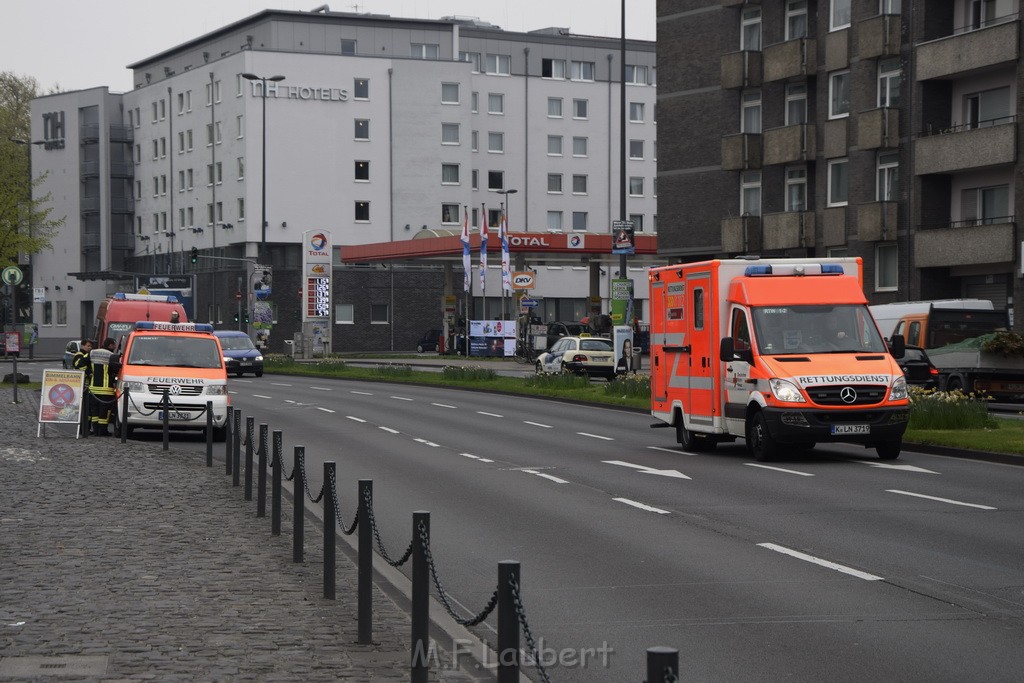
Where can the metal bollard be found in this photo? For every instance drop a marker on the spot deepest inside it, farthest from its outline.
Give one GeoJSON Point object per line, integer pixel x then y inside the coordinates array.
{"type": "Point", "coordinates": [229, 440]}
{"type": "Point", "coordinates": [365, 573]}
{"type": "Point", "coordinates": [420, 597]}
{"type": "Point", "coordinates": [299, 498]}
{"type": "Point", "coordinates": [508, 622]}
{"type": "Point", "coordinates": [662, 664]}
{"type": "Point", "coordinates": [330, 532]}
{"type": "Point", "coordinates": [124, 416]}
{"type": "Point", "coordinates": [209, 433]}
{"type": "Point", "coordinates": [275, 486]}
{"type": "Point", "coordinates": [165, 403]}
{"type": "Point", "coordinates": [236, 468]}
{"type": "Point", "coordinates": [261, 474]}
{"type": "Point", "coordinates": [85, 423]}
{"type": "Point", "coordinates": [250, 432]}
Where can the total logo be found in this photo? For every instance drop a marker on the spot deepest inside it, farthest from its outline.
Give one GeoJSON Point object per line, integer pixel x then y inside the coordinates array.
{"type": "Point", "coordinates": [319, 269]}
{"type": "Point", "coordinates": [576, 241]}
{"type": "Point", "coordinates": [318, 241]}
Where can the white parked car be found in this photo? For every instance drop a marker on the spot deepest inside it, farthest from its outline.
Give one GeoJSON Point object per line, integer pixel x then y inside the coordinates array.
{"type": "Point", "coordinates": [591, 356]}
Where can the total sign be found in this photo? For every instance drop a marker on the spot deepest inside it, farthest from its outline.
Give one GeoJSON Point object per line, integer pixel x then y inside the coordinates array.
{"type": "Point", "coordinates": [316, 267]}
{"type": "Point", "coordinates": [523, 279]}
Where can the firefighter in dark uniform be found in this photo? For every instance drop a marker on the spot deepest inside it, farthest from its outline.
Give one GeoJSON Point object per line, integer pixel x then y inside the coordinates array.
{"type": "Point", "coordinates": [80, 361]}
{"type": "Point", "coordinates": [101, 385]}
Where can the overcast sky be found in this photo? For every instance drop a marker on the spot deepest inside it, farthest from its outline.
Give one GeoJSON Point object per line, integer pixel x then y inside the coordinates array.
{"type": "Point", "coordinates": [80, 44]}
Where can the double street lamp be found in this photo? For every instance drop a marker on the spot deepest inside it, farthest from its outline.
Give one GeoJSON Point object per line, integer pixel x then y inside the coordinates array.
{"type": "Point", "coordinates": [263, 192]}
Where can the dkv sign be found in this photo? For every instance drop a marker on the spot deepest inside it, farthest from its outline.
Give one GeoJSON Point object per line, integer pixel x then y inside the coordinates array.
{"type": "Point", "coordinates": [523, 279]}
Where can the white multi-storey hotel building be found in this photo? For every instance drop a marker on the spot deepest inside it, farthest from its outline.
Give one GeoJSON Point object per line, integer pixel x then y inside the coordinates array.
{"type": "Point", "coordinates": [382, 130]}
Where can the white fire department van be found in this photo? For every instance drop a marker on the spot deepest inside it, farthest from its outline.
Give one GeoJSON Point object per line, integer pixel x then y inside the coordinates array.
{"type": "Point", "coordinates": [781, 352]}
{"type": "Point", "coordinates": [183, 360]}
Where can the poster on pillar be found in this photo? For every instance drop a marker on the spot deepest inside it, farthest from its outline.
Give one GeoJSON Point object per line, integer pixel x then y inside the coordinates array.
{"type": "Point", "coordinates": [622, 302]}
{"type": "Point", "coordinates": [316, 270]}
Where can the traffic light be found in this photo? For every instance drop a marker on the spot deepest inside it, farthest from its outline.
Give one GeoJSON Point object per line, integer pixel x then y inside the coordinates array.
{"type": "Point", "coordinates": [236, 317]}
{"type": "Point", "coordinates": [245, 317]}
{"type": "Point", "coordinates": [195, 256]}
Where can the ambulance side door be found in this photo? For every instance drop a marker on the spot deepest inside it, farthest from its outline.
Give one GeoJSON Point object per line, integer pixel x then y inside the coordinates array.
{"type": "Point", "coordinates": [736, 381]}
{"type": "Point", "coordinates": [702, 373]}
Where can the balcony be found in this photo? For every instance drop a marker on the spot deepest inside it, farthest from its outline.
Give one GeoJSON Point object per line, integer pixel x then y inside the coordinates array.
{"type": "Point", "coordinates": [879, 36]}
{"type": "Point", "coordinates": [741, 234]}
{"type": "Point", "coordinates": [122, 205]}
{"type": "Point", "coordinates": [90, 240]}
{"type": "Point", "coordinates": [978, 49]}
{"type": "Point", "coordinates": [120, 132]}
{"type": "Point", "coordinates": [959, 148]}
{"type": "Point", "coordinates": [90, 132]}
{"type": "Point", "coordinates": [89, 169]}
{"type": "Point", "coordinates": [741, 70]}
{"type": "Point", "coordinates": [789, 144]}
{"type": "Point", "coordinates": [741, 152]}
{"type": "Point", "coordinates": [876, 221]}
{"type": "Point", "coordinates": [88, 205]}
{"type": "Point", "coordinates": [791, 59]}
{"type": "Point", "coordinates": [961, 245]}
{"type": "Point", "coordinates": [788, 230]}
{"type": "Point", "coordinates": [125, 241]}
{"type": "Point", "coordinates": [122, 169]}
{"type": "Point", "coordinates": [879, 128]}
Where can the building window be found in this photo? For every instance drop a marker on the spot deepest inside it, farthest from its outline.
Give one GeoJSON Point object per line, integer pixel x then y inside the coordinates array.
{"type": "Point", "coordinates": [449, 133]}
{"type": "Point", "coordinates": [209, 135]}
{"type": "Point", "coordinates": [425, 51]}
{"type": "Point", "coordinates": [555, 107]}
{"type": "Point", "coordinates": [750, 117]}
{"type": "Point", "coordinates": [554, 220]}
{"type": "Point", "coordinates": [889, 6]}
{"type": "Point", "coordinates": [181, 181]}
{"type": "Point", "coordinates": [474, 179]}
{"type": "Point", "coordinates": [495, 103]}
{"type": "Point", "coordinates": [473, 58]}
{"type": "Point", "coordinates": [579, 220]}
{"type": "Point", "coordinates": [796, 104]}
{"type": "Point", "coordinates": [890, 73]}
{"type": "Point", "coordinates": [361, 88]}
{"type": "Point", "coordinates": [188, 175]}
{"type": "Point", "coordinates": [636, 74]}
{"type": "Point", "coordinates": [496, 143]}
{"type": "Point", "coordinates": [362, 213]}
{"type": "Point", "coordinates": [552, 68]}
{"type": "Point", "coordinates": [580, 109]}
{"type": "Point", "coordinates": [449, 174]}
{"type": "Point", "coordinates": [474, 140]}
{"type": "Point", "coordinates": [886, 267]}
{"type": "Point", "coordinates": [138, 154]}
{"type": "Point", "coordinates": [796, 19]}
{"type": "Point", "coordinates": [241, 168]}
{"type": "Point", "coordinates": [361, 172]}
{"type": "Point", "coordinates": [191, 216]}
{"type": "Point", "coordinates": [138, 190]}
{"type": "Point", "coordinates": [839, 94]}
{"type": "Point", "coordinates": [163, 109]}
{"type": "Point", "coordinates": [163, 184]}
{"type": "Point", "coordinates": [988, 12]}
{"type": "Point", "coordinates": [636, 149]}
{"type": "Point", "coordinates": [348, 47]}
{"type": "Point", "coordinates": [750, 29]}
{"type": "Point", "coordinates": [638, 221]}
{"type": "Point", "coordinates": [888, 176]}
{"type": "Point", "coordinates": [343, 314]}
{"type": "Point", "coordinates": [579, 184]}
{"type": "Point", "coordinates": [450, 214]}
{"type": "Point", "coordinates": [380, 314]}
{"type": "Point", "coordinates": [362, 129]}
{"type": "Point", "coordinates": [750, 193]}
{"type": "Point", "coordinates": [987, 108]}
{"type": "Point", "coordinates": [636, 112]}
{"type": "Point", "coordinates": [449, 93]}
{"type": "Point", "coordinates": [188, 140]}
{"type": "Point", "coordinates": [240, 126]}
{"type": "Point", "coordinates": [839, 17]}
{"type": "Point", "coordinates": [579, 147]}
{"type": "Point", "coordinates": [495, 180]}
{"type": "Point", "coordinates": [555, 145]}
{"type": "Point", "coordinates": [499, 64]}
{"type": "Point", "coordinates": [62, 312]}
{"type": "Point", "coordinates": [796, 189]}
{"type": "Point", "coordinates": [47, 313]}
{"type": "Point", "coordinates": [636, 187]}
{"type": "Point", "coordinates": [241, 208]}
{"type": "Point", "coordinates": [181, 142]}
{"type": "Point", "coordinates": [838, 182]}
{"type": "Point", "coordinates": [582, 71]}
{"type": "Point", "coordinates": [985, 205]}
{"type": "Point", "coordinates": [555, 183]}
{"type": "Point", "coordinates": [181, 103]}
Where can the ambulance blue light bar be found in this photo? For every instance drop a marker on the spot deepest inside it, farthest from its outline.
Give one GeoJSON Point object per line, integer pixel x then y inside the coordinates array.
{"type": "Point", "coordinates": [173, 327]}
{"type": "Point", "coordinates": [796, 269]}
{"type": "Point", "coordinates": [757, 270]}
{"type": "Point", "coordinates": [831, 269]}
{"type": "Point", "coordinates": [167, 298]}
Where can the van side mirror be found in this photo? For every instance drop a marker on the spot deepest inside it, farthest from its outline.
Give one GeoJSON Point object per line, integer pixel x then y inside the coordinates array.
{"type": "Point", "coordinates": [727, 351]}
{"type": "Point", "coordinates": [897, 346]}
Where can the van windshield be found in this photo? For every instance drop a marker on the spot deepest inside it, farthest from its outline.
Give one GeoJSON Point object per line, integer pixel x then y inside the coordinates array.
{"type": "Point", "coordinates": [174, 352]}
{"type": "Point", "coordinates": [840, 328]}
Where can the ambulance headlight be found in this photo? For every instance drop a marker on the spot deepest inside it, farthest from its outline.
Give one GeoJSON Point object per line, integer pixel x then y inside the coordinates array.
{"type": "Point", "coordinates": [786, 391]}
{"type": "Point", "coordinates": [898, 392]}
{"type": "Point", "coordinates": [217, 390]}
{"type": "Point", "coordinates": [134, 387]}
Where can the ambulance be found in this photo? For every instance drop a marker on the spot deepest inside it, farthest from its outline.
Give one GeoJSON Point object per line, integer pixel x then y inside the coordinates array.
{"type": "Point", "coordinates": [183, 361]}
{"type": "Point", "coordinates": [118, 314]}
{"type": "Point", "coordinates": [781, 352]}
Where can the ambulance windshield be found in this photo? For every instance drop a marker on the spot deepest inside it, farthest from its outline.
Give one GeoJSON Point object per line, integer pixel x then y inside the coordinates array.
{"type": "Point", "coordinates": [174, 351]}
{"type": "Point", "coordinates": [840, 328]}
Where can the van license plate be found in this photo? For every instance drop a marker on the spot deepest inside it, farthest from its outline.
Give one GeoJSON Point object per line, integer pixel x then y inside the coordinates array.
{"type": "Point", "coordinates": [851, 429]}
{"type": "Point", "coordinates": [176, 415]}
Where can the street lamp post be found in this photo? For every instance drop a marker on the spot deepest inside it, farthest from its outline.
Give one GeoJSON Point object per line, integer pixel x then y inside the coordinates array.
{"type": "Point", "coordinates": [28, 221]}
{"type": "Point", "coordinates": [263, 191]}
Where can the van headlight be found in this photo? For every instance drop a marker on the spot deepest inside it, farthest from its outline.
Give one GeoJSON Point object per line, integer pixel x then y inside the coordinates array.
{"type": "Point", "coordinates": [134, 387]}
{"type": "Point", "coordinates": [217, 389]}
{"type": "Point", "coordinates": [786, 391]}
{"type": "Point", "coordinates": [898, 391]}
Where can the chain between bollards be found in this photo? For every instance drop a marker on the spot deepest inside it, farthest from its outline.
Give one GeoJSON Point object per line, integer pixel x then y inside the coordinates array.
{"type": "Point", "coordinates": [261, 474]}
{"type": "Point", "coordinates": [365, 572]}
{"type": "Point", "coordinates": [250, 433]}
{"type": "Point", "coordinates": [275, 486]}
{"type": "Point", "coordinates": [299, 498]}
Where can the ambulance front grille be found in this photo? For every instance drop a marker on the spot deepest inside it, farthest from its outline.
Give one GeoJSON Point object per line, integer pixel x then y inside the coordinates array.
{"type": "Point", "coordinates": [840, 394]}
{"type": "Point", "coordinates": [186, 389]}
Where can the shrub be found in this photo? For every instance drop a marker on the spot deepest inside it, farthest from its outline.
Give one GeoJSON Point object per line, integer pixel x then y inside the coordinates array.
{"type": "Point", "coordinates": [638, 386]}
{"type": "Point", "coordinates": [473, 373]}
{"type": "Point", "coordinates": [557, 380]}
{"type": "Point", "coordinates": [930, 409]}
{"type": "Point", "coordinates": [391, 370]}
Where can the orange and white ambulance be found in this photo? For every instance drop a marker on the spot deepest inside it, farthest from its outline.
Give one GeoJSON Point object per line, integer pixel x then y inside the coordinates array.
{"type": "Point", "coordinates": [781, 352]}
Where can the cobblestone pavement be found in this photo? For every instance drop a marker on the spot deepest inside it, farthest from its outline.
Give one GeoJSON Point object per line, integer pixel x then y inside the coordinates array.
{"type": "Point", "coordinates": [125, 562]}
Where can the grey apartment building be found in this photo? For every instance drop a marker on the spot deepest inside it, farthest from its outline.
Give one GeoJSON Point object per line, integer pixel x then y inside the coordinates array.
{"type": "Point", "coordinates": [881, 129]}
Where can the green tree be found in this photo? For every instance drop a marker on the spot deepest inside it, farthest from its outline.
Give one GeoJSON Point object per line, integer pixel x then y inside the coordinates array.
{"type": "Point", "coordinates": [26, 226]}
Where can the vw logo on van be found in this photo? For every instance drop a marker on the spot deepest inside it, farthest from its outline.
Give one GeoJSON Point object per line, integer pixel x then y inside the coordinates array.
{"type": "Point", "coordinates": [174, 389]}
{"type": "Point", "coordinates": [848, 394]}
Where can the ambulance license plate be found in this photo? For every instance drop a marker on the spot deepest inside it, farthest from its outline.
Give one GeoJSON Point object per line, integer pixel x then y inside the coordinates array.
{"type": "Point", "coordinates": [176, 415]}
{"type": "Point", "coordinates": [851, 429]}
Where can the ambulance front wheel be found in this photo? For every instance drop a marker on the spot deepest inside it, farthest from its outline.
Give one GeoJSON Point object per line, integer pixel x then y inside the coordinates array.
{"type": "Point", "coordinates": [760, 443]}
{"type": "Point", "coordinates": [890, 450]}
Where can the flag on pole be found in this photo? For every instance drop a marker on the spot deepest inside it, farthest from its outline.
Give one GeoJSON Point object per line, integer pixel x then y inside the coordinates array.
{"type": "Point", "coordinates": [467, 266]}
{"type": "Point", "coordinates": [483, 251]}
{"type": "Point", "coordinates": [506, 272]}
